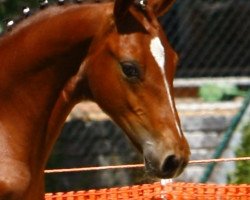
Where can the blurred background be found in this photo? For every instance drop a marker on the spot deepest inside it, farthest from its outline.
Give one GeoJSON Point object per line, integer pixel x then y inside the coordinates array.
{"type": "Point", "coordinates": [212, 38]}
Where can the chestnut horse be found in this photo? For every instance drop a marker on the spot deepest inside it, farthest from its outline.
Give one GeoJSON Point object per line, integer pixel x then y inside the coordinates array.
{"type": "Point", "coordinates": [113, 53]}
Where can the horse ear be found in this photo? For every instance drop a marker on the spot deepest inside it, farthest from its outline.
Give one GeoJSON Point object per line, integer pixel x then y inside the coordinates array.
{"type": "Point", "coordinates": [121, 8]}
{"type": "Point", "coordinates": [160, 7]}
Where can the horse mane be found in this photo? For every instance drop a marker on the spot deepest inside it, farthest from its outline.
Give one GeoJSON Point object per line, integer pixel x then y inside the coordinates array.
{"type": "Point", "coordinates": [28, 15]}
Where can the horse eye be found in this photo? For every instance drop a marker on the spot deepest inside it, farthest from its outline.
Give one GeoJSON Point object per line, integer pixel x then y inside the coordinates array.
{"type": "Point", "coordinates": [130, 70]}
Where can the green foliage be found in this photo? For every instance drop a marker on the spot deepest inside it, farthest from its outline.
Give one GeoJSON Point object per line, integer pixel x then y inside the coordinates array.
{"type": "Point", "coordinates": [13, 8]}
{"type": "Point", "coordinates": [218, 92]}
{"type": "Point", "coordinates": [242, 170]}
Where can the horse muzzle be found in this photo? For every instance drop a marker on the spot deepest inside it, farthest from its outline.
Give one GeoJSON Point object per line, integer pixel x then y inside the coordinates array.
{"type": "Point", "coordinates": [171, 167]}
{"type": "Point", "coordinates": [164, 163]}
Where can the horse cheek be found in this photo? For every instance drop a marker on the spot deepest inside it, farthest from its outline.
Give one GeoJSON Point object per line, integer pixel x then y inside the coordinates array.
{"type": "Point", "coordinates": [107, 90]}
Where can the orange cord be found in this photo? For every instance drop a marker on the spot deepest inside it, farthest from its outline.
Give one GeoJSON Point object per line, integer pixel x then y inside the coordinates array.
{"type": "Point", "coordinates": [82, 169]}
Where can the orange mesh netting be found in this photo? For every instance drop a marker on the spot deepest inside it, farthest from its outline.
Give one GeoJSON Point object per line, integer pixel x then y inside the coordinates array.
{"type": "Point", "coordinates": [172, 191]}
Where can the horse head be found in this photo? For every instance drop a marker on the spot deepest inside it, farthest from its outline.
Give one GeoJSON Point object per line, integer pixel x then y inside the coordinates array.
{"type": "Point", "coordinates": [129, 73]}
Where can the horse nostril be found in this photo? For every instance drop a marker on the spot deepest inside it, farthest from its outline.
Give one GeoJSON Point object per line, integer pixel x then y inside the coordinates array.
{"type": "Point", "coordinates": [170, 165]}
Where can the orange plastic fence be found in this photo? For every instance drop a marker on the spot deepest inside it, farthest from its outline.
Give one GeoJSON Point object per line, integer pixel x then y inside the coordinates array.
{"type": "Point", "coordinates": [173, 191]}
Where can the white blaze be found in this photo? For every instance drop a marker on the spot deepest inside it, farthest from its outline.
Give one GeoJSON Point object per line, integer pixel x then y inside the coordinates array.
{"type": "Point", "coordinates": [158, 53]}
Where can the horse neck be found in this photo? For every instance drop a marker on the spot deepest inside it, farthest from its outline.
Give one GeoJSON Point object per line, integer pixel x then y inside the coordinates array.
{"type": "Point", "coordinates": [39, 61]}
